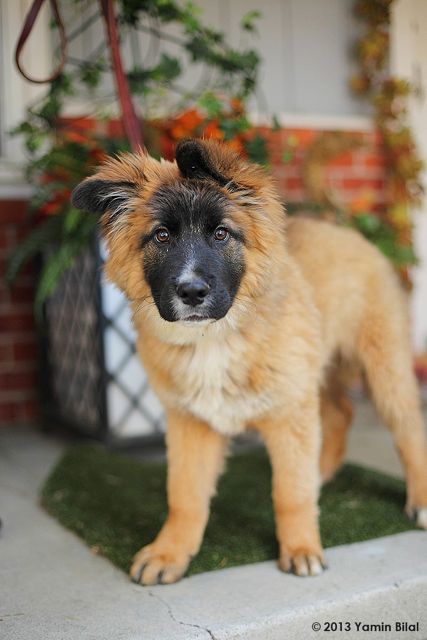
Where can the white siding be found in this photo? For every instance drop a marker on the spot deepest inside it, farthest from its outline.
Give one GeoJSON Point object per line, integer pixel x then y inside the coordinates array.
{"type": "Point", "coordinates": [305, 46]}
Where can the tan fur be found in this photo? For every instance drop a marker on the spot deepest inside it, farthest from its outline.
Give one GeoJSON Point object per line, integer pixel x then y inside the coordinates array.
{"type": "Point", "coordinates": [337, 413]}
{"type": "Point", "coordinates": [313, 295]}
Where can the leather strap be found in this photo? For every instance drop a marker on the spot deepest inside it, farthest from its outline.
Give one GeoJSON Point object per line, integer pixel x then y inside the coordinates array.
{"type": "Point", "coordinates": [130, 120]}
{"type": "Point", "coordinates": [29, 22]}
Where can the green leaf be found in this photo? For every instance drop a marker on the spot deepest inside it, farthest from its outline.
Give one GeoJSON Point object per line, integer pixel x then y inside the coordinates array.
{"type": "Point", "coordinates": [62, 259]}
{"type": "Point", "coordinates": [275, 124]}
{"type": "Point", "coordinates": [210, 103]}
{"type": "Point", "coordinates": [168, 68]}
{"type": "Point", "coordinates": [142, 80]}
{"type": "Point", "coordinates": [368, 223]}
{"type": "Point", "coordinates": [287, 156]}
{"type": "Point", "coordinates": [249, 19]}
{"type": "Point", "coordinates": [258, 150]}
{"type": "Point", "coordinates": [34, 142]}
{"type": "Point", "coordinates": [52, 272]}
{"type": "Point", "coordinates": [72, 219]}
{"type": "Point", "coordinates": [91, 73]}
{"type": "Point", "coordinates": [190, 17]}
{"type": "Point", "coordinates": [385, 237]}
{"type": "Point", "coordinates": [234, 126]}
{"type": "Point", "coordinates": [38, 239]}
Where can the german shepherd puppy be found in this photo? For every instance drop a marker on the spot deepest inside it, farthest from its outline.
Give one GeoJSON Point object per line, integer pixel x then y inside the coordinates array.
{"type": "Point", "coordinates": [247, 319]}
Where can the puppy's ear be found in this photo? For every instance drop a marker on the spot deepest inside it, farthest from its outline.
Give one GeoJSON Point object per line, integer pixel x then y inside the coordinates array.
{"type": "Point", "coordinates": [196, 160]}
{"type": "Point", "coordinates": [101, 196]}
{"type": "Point", "coordinates": [213, 160]}
{"type": "Point", "coordinates": [111, 190]}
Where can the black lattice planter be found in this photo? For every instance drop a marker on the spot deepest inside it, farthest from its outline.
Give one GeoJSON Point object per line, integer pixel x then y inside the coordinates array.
{"type": "Point", "coordinates": [97, 383]}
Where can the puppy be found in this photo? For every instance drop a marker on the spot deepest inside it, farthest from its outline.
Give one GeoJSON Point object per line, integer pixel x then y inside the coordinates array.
{"type": "Point", "coordinates": [247, 319]}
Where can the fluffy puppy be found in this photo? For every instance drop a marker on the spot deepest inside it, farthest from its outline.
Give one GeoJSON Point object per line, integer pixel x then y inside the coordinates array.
{"type": "Point", "coordinates": [245, 319]}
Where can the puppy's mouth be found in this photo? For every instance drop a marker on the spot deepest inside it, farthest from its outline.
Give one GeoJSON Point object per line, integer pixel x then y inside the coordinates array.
{"type": "Point", "coordinates": [190, 315]}
{"type": "Point", "coordinates": [195, 318]}
{"type": "Point", "coordinates": [205, 312]}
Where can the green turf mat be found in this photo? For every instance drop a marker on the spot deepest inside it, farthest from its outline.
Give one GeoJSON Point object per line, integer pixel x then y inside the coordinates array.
{"type": "Point", "coordinates": [117, 504]}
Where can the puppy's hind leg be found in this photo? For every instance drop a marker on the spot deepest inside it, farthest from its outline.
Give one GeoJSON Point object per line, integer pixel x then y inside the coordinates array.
{"type": "Point", "coordinates": [384, 349]}
{"type": "Point", "coordinates": [336, 415]}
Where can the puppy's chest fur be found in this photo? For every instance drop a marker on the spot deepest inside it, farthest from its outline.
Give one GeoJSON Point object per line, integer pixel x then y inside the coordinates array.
{"type": "Point", "coordinates": [212, 384]}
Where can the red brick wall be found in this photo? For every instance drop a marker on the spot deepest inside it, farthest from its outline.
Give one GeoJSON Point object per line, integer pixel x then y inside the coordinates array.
{"type": "Point", "coordinates": [357, 176]}
{"type": "Point", "coordinates": [18, 343]}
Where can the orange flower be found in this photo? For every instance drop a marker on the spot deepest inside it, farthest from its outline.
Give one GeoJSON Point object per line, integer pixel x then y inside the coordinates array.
{"type": "Point", "coordinates": [84, 123]}
{"type": "Point", "coordinates": [55, 205]}
{"type": "Point", "coordinates": [237, 106]}
{"type": "Point", "coordinates": [212, 130]}
{"type": "Point", "coordinates": [75, 136]}
{"type": "Point", "coordinates": [363, 202]}
{"type": "Point", "coordinates": [186, 124]}
{"type": "Point", "coordinates": [79, 124]}
{"type": "Point", "coordinates": [58, 175]}
{"type": "Point", "coordinates": [50, 208]}
{"type": "Point", "coordinates": [97, 154]}
{"type": "Point", "coordinates": [190, 119]}
{"type": "Point", "coordinates": [237, 145]}
{"type": "Point", "coordinates": [115, 128]}
{"type": "Point", "coordinates": [167, 146]}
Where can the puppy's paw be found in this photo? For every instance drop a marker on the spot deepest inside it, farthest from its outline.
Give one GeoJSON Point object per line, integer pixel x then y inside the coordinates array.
{"type": "Point", "coordinates": [418, 515]}
{"type": "Point", "coordinates": [156, 565]}
{"type": "Point", "coordinates": [303, 562]}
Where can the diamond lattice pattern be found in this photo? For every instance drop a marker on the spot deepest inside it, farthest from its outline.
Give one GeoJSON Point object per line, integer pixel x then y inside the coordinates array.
{"type": "Point", "coordinates": [75, 356]}
{"type": "Point", "coordinates": [133, 408]}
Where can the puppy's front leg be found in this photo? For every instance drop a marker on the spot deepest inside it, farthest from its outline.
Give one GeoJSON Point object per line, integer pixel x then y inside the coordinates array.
{"type": "Point", "coordinates": [293, 441]}
{"type": "Point", "coordinates": [195, 459]}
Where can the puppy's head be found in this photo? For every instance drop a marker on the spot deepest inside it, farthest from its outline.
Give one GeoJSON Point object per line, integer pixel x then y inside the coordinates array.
{"type": "Point", "coordinates": [191, 236]}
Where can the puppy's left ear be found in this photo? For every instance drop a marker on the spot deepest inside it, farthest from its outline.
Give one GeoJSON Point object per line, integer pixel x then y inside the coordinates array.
{"type": "Point", "coordinates": [102, 196]}
{"type": "Point", "coordinates": [196, 160]}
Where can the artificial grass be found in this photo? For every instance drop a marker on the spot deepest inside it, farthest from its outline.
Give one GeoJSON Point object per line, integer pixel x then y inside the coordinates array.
{"type": "Point", "coordinates": [117, 504]}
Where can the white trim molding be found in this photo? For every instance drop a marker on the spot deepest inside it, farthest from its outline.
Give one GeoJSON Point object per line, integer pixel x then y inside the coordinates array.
{"type": "Point", "coordinates": [316, 121]}
{"type": "Point", "coordinates": [13, 183]}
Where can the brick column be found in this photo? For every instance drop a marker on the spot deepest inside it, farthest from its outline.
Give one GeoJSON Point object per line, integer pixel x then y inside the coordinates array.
{"type": "Point", "coordinates": [18, 339]}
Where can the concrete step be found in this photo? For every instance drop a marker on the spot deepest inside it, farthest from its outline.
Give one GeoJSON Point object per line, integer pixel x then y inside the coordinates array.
{"type": "Point", "coordinates": [53, 588]}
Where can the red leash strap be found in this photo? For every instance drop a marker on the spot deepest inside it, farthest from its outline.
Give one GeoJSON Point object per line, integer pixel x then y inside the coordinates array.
{"type": "Point", "coordinates": [30, 19]}
{"type": "Point", "coordinates": [130, 121]}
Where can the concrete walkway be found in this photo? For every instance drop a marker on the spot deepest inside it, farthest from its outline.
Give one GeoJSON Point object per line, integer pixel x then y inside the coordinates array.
{"type": "Point", "coordinates": [370, 443]}
{"type": "Point", "coordinates": [53, 588]}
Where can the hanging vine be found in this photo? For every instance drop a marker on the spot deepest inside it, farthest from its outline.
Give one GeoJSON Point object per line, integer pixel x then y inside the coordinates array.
{"type": "Point", "coordinates": [388, 96]}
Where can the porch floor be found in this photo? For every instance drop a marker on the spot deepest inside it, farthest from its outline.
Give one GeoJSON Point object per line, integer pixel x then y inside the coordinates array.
{"type": "Point", "coordinates": [53, 587]}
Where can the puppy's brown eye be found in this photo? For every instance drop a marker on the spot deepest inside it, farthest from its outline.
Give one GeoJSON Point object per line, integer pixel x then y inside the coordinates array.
{"type": "Point", "coordinates": [162, 235]}
{"type": "Point", "coordinates": [221, 234]}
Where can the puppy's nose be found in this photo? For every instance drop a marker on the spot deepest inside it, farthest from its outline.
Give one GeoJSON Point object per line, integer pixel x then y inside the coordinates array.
{"type": "Point", "coordinates": [193, 292]}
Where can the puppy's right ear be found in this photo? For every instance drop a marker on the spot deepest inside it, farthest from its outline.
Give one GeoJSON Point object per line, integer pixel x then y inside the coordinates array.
{"type": "Point", "coordinates": [101, 196]}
